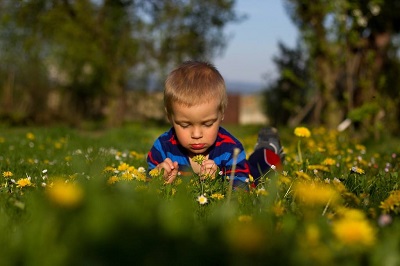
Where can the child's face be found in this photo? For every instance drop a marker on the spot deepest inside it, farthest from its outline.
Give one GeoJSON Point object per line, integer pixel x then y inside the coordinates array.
{"type": "Point", "coordinates": [197, 126]}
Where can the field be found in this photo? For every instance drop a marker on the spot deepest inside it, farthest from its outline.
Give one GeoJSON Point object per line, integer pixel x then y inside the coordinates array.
{"type": "Point", "coordinates": [70, 197]}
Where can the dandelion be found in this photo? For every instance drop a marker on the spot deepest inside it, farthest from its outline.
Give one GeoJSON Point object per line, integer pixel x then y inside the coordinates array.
{"type": "Point", "coordinates": [109, 169]}
{"type": "Point", "coordinates": [112, 180]}
{"type": "Point", "coordinates": [123, 167]}
{"type": "Point", "coordinates": [24, 182]}
{"type": "Point", "coordinates": [199, 159]}
{"type": "Point", "coordinates": [302, 132]}
{"type": "Point", "coordinates": [155, 172]}
{"type": "Point", "coordinates": [30, 136]}
{"type": "Point", "coordinates": [261, 192]}
{"type": "Point", "coordinates": [64, 194]}
{"type": "Point", "coordinates": [354, 232]}
{"type": "Point", "coordinates": [7, 174]}
{"type": "Point", "coordinates": [302, 175]}
{"type": "Point", "coordinates": [357, 170]}
{"type": "Point", "coordinates": [202, 199]}
{"type": "Point", "coordinates": [217, 196]}
{"type": "Point", "coordinates": [315, 194]}
{"type": "Point", "coordinates": [329, 162]}
{"type": "Point", "coordinates": [391, 203]}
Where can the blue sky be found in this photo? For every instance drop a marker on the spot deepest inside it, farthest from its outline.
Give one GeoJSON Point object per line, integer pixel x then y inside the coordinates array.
{"type": "Point", "coordinates": [253, 42]}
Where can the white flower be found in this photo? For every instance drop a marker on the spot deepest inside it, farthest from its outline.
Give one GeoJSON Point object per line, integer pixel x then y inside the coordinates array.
{"type": "Point", "coordinates": [202, 199]}
{"type": "Point", "coordinates": [141, 169]}
{"type": "Point", "coordinates": [44, 171]}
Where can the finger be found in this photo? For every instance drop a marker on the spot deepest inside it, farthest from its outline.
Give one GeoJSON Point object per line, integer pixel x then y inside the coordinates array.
{"type": "Point", "coordinates": [173, 173]}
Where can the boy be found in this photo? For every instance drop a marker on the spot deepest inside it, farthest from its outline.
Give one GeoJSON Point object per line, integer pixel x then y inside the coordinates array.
{"type": "Point", "coordinates": [195, 100]}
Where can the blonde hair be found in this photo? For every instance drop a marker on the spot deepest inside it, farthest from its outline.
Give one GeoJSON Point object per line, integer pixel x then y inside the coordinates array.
{"type": "Point", "coordinates": [193, 83]}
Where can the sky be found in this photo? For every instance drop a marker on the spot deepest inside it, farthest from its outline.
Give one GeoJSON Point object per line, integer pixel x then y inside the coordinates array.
{"type": "Point", "coordinates": [252, 43]}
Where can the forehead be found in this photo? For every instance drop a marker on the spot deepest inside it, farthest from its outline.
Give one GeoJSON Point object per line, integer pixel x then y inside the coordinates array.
{"type": "Point", "coordinates": [196, 113]}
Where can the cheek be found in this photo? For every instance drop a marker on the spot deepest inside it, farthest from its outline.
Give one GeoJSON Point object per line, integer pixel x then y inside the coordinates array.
{"type": "Point", "coordinates": [182, 134]}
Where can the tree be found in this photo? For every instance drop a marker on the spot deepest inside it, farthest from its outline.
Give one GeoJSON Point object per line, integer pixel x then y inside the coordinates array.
{"type": "Point", "coordinates": [348, 44]}
{"type": "Point", "coordinates": [92, 51]}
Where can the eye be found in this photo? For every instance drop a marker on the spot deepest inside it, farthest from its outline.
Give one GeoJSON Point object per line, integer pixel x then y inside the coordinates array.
{"type": "Point", "coordinates": [208, 124]}
{"type": "Point", "coordinates": [184, 125]}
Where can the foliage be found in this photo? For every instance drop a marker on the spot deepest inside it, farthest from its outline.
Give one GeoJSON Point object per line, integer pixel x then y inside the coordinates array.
{"type": "Point", "coordinates": [348, 46]}
{"type": "Point", "coordinates": [88, 53]}
{"type": "Point", "coordinates": [335, 202]}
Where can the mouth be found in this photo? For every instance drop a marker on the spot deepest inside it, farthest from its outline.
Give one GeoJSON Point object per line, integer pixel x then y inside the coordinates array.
{"type": "Point", "coordinates": [197, 146]}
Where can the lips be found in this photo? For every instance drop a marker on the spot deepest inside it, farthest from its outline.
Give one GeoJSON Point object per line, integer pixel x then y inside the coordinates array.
{"type": "Point", "coordinates": [197, 146]}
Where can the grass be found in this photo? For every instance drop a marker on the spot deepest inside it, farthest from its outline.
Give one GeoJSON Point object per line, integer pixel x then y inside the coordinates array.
{"type": "Point", "coordinates": [81, 197]}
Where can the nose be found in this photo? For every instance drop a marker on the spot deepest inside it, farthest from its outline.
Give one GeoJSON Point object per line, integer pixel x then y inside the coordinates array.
{"type": "Point", "coordinates": [197, 133]}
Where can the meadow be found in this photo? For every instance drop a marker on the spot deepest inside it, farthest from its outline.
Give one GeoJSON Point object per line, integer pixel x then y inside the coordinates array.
{"type": "Point", "coordinates": [73, 197]}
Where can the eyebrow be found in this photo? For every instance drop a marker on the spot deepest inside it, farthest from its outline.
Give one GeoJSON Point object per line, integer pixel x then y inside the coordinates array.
{"type": "Point", "coordinates": [203, 121]}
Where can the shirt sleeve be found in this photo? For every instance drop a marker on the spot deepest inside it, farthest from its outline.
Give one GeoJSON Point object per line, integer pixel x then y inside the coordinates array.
{"type": "Point", "coordinates": [156, 155]}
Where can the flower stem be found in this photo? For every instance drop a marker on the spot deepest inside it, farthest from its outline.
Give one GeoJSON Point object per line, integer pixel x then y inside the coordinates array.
{"type": "Point", "coordinates": [299, 151]}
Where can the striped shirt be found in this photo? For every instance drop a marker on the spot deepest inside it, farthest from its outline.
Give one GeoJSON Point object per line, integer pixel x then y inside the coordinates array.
{"type": "Point", "coordinates": [167, 146]}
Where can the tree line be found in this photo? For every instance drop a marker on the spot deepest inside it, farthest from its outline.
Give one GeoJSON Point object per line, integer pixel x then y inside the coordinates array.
{"type": "Point", "coordinates": [85, 55]}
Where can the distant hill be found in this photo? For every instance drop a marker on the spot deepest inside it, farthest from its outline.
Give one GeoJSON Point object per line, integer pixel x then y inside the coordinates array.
{"type": "Point", "coordinates": [241, 87]}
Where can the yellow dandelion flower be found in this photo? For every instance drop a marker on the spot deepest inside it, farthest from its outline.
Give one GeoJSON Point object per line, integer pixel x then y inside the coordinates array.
{"type": "Point", "coordinates": [126, 176]}
{"type": "Point", "coordinates": [391, 203]}
{"type": "Point", "coordinates": [30, 136]}
{"type": "Point", "coordinates": [315, 194]}
{"type": "Point", "coordinates": [202, 199]}
{"type": "Point", "coordinates": [302, 175]}
{"type": "Point", "coordinates": [7, 174]}
{"type": "Point", "coordinates": [57, 145]}
{"type": "Point", "coordinates": [357, 170]}
{"type": "Point", "coordinates": [136, 155]}
{"type": "Point", "coordinates": [302, 132]}
{"type": "Point", "coordinates": [109, 169]}
{"type": "Point", "coordinates": [360, 147]}
{"type": "Point", "coordinates": [354, 232]}
{"type": "Point", "coordinates": [353, 214]}
{"type": "Point", "coordinates": [217, 196]}
{"type": "Point", "coordinates": [112, 180]}
{"type": "Point", "coordinates": [199, 159]}
{"type": "Point", "coordinates": [329, 161]}
{"type": "Point", "coordinates": [24, 182]}
{"type": "Point", "coordinates": [2, 139]}
{"type": "Point", "coordinates": [154, 172]}
{"type": "Point", "coordinates": [123, 167]}
{"type": "Point", "coordinates": [245, 218]}
{"type": "Point", "coordinates": [284, 180]}
{"type": "Point", "coordinates": [65, 194]}
{"type": "Point", "coordinates": [261, 192]}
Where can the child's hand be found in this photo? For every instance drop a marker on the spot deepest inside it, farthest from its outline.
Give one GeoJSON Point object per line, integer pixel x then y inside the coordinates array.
{"type": "Point", "coordinates": [208, 168]}
{"type": "Point", "coordinates": [170, 170]}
